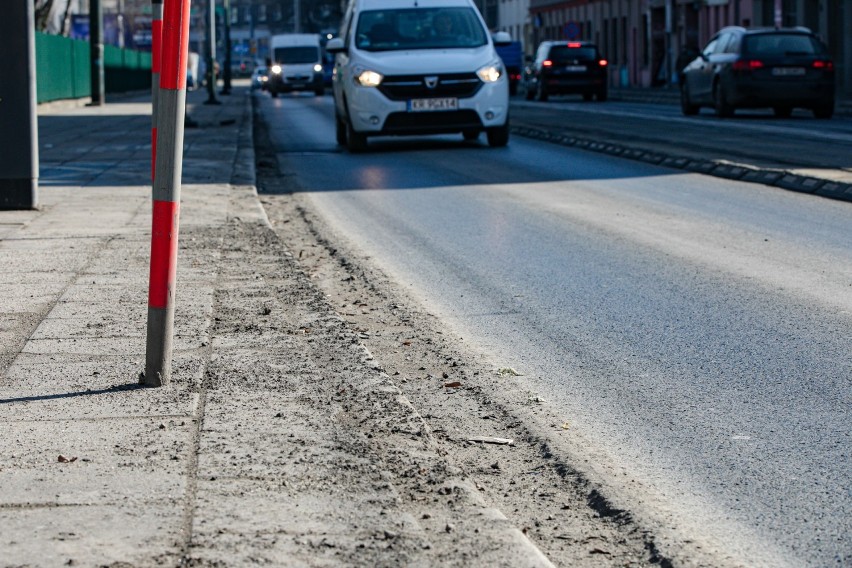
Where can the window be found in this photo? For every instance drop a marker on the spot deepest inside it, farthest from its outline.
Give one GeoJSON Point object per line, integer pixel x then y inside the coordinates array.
{"type": "Point", "coordinates": [419, 28]}
{"type": "Point", "coordinates": [782, 44]}
{"type": "Point", "coordinates": [296, 55]}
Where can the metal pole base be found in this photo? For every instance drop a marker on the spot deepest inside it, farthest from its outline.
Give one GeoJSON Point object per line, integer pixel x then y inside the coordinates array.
{"type": "Point", "coordinates": [158, 352]}
{"type": "Point", "coordinates": [19, 193]}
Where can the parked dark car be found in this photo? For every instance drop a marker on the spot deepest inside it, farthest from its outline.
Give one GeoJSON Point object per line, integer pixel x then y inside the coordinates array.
{"type": "Point", "coordinates": [573, 67]}
{"type": "Point", "coordinates": [259, 78]}
{"type": "Point", "coordinates": [757, 68]}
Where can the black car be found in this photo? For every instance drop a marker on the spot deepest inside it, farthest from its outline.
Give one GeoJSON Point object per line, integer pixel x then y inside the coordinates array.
{"type": "Point", "coordinates": [562, 68]}
{"type": "Point", "coordinates": [757, 68]}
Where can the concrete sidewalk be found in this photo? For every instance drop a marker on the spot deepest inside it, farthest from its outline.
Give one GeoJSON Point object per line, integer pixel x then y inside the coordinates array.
{"type": "Point", "coordinates": [279, 441]}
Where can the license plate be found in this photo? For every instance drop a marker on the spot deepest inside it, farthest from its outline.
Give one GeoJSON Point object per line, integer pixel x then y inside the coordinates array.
{"type": "Point", "coordinates": [788, 71]}
{"type": "Point", "coordinates": [576, 68]}
{"type": "Point", "coordinates": [431, 105]}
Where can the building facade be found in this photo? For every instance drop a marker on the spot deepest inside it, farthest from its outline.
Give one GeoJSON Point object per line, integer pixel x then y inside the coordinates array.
{"type": "Point", "coordinates": [643, 39]}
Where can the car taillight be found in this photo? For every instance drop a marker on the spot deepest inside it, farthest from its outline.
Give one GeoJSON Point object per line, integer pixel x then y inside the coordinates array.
{"type": "Point", "coordinates": [824, 65]}
{"type": "Point", "coordinates": [747, 65]}
{"type": "Point", "coordinates": [575, 44]}
{"type": "Point", "coordinates": [603, 62]}
{"type": "Point", "coordinates": [547, 63]}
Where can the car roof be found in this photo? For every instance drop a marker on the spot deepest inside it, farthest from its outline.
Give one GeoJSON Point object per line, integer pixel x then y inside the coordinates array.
{"type": "Point", "coordinates": [402, 4]}
{"type": "Point", "coordinates": [565, 42]}
{"type": "Point", "coordinates": [766, 30]}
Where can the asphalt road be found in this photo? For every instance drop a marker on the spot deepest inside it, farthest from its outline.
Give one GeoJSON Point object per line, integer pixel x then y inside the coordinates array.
{"type": "Point", "coordinates": [754, 137]}
{"type": "Point", "coordinates": [694, 332]}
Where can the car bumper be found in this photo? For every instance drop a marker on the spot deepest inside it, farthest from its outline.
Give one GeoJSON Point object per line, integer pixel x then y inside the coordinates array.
{"type": "Point", "coordinates": [774, 93]}
{"type": "Point", "coordinates": [371, 112]}
{"type": "Point", "coordinates": [569, 85]}
{"type": "Point", "coordinates": [284, 84]}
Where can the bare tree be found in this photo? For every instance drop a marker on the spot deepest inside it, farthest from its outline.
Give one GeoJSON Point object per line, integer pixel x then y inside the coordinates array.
{"type": "Point", "coordinates": [43, 9]}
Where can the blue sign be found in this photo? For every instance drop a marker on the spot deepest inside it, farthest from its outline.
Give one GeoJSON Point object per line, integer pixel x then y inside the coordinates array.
{"type": "Point", "coordinates": [572, 30]}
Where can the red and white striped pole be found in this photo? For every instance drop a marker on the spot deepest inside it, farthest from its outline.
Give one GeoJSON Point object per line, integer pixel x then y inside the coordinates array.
{"type": "Point", "coordinates": [171, 106]}
{"type": "Point", "coordinates": [156, 57]}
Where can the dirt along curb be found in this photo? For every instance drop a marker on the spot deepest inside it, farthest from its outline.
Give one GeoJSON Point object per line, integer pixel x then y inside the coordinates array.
{"type": "Point", "coordinates": [537, 481]}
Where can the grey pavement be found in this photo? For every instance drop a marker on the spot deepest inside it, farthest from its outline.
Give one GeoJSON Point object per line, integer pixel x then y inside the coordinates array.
{"type": "Point", "coordinates": [279, 441]}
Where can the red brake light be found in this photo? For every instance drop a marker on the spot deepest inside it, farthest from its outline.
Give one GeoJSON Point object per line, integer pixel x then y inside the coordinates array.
{"type": "Point", "coordinates": [747, 65]}
{"type": "Point", "coordinates": [575, 44]}
{"type": "Point", "coordinates": [603, 62]}
{"type": "Point", "coordinates": [547, 63]}
{"type": "Point", "coordinates": [825, 65]}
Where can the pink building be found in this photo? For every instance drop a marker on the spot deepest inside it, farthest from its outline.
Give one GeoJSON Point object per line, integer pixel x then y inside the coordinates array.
{"type": "Point", "coordinates": [643, 39]}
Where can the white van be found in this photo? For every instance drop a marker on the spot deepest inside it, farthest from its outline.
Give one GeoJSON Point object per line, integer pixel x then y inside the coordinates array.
{"type": "Point", "coordinates": [418, 67]}
{"type": "Point", "coordinates": [296, 64]}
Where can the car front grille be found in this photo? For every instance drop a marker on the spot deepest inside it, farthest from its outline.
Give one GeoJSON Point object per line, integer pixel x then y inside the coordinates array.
{"type": "Point", "coordinates": [406, 87]}
{"type": "Point", "coordinates": [431, 122]}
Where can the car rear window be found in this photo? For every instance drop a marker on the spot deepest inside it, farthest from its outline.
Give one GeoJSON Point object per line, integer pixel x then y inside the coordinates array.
{"type": "Point", "coordinates": [563, 53]}
{"type": "Point", "coordinates": [781, 44]}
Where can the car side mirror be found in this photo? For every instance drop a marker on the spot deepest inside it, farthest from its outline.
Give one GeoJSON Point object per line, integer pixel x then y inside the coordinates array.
{"type": "Point", "coordinates": [502, 38]}
{"type": "Point", "coordinates": [335, 45]}
{"type": "Point", "coordinates": [703, 56]}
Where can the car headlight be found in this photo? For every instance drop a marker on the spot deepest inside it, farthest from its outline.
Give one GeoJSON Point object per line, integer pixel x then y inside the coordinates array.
{"type": "Point", "coordinates": [317, 68]}
{"type": "Point", "coordinates": [367, 78]}
{"type": "Point", "coordinates": [276, 69]}
{"type": "Point", "coordinates": [490, 73]}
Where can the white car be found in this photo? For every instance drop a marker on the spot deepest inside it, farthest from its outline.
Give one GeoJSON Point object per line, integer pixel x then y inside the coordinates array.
{"type": "Point", "coordinates": [418, 67]}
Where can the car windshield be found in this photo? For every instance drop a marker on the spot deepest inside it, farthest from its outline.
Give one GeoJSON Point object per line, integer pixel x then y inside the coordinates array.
{"type": "Point", "coordinates": [295, 55]}
{"type": "Point", "coordinates": [781, 44]}
{"type": "Point", "coordinates": [564, 54]}
{"type": "Point", "coordinates": [419, 28]}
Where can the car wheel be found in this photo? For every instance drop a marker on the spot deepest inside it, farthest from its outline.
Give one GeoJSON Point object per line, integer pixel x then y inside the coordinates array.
{"type": "Point", "coordinates": [587, 97]}
{"type": "Point", "coordinates": [356, 141]}
{"type": "Point", "coordinates": [319, 92]}
{"type": "Point", "coordinates": [498, 136]}
{"type": "Point", "coordinates": [274, 94]}
{"type": "Point", "coordinates": [824, 111]}
{"type": "Point", "coordinates": [513, 88]}
{"type": "Point", "coordinates": [723, 107]}
{"type": "Point", "coordinates": [529, 94]}
{"type": "Point", "coordinates": [541, 93]}
{"type": "Point", "coordinates": [470, 135]}
{"type": "Point", "coordinates": [340, 130]}
{"type": "Point", "coordinates": [783, 111]}
{"type": "Point", "coordinates": [601, 95]}
{"type": "Point", "coordinates": [686, 106]}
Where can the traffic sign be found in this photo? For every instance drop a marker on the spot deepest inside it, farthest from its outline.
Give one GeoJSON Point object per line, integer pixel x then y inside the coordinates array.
{"type": "Point", "coordinates": [572, 30]}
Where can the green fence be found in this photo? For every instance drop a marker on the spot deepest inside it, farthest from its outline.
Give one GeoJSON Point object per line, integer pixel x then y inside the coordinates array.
{"type": "Point", "coordinates": [63, 68]}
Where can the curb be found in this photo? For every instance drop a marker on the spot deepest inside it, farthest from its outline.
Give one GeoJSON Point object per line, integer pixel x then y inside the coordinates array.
{"type": "Point", "coordinates": [718, 168]}
{"type": "Point", "coordinates": [671, 96]}
{"type": "Point", "coordinates": [244, 172]}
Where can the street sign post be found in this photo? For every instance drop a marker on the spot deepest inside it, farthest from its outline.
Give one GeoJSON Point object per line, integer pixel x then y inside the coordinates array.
{"type": "Point", "coordinates": [96, 47]}
{"type": "Point", "coordinates": [18, 123]}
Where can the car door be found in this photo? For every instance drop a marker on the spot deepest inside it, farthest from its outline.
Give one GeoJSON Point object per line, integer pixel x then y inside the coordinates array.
{"type": "Point", "coordinates": [700, 73]}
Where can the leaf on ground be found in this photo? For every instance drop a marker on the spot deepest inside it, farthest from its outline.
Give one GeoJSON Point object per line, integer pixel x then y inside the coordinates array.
{"type": "Point", "coordinates": [63, 459]}
{"type": "Point", "coordinates": [508, 371]}
{"type": "Point", "coordinates": [492, 440]}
